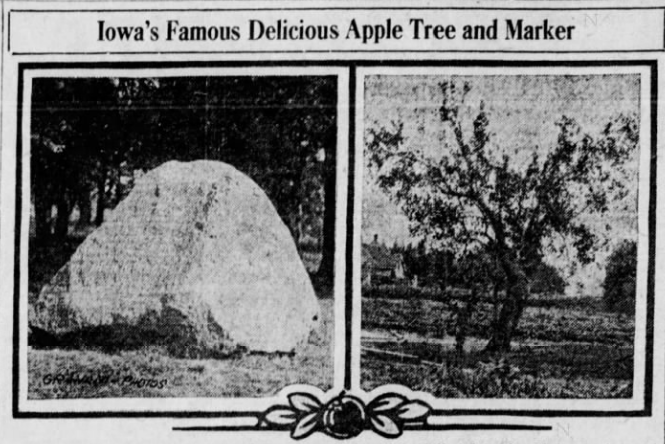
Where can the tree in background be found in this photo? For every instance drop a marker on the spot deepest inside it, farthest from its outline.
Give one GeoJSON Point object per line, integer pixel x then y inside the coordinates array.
{"type": "Point", "coordinates": [82, 131]}
{"type": "Point", "coordinates": [547, 280]}
{"type": "Point", "coordinates": [619, 283]}
{"type": "Point", "coordinates": [89, 136]}
{"type": "Point", "coordinates": [473, 196]}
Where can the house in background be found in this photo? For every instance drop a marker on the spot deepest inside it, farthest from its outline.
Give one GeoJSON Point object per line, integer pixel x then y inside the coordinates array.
{"type": "Point", "coordinates": [380, 265]}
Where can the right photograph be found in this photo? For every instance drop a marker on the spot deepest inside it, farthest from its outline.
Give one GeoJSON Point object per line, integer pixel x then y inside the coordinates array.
{"type": "Point", "coordinates": [500, 234]}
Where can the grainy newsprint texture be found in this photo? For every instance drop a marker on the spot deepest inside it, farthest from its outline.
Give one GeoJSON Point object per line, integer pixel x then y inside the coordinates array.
{"type": "Point", "coordinates": [500, 234]}
{"type": "Point", "coordinates": [277, 221]}
{"type": "Point", "coordinates": [177, 235]}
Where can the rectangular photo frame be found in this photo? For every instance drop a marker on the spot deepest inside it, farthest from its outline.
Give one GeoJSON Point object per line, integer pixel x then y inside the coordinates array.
{"type": "Point", "coordinates": [94, 394]}
{"type": "Point", "coordinates": [400, 348]}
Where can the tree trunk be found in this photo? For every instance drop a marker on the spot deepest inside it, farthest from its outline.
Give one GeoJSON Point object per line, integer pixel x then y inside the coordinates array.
{"type": "Point", "coordinates": [85, 206]}
{"type": "Point", "coordinates": [42, 217]}
{"type": "Point", "coordinates": [116, 187]}
{"type": "Point", "coordinates": [101, 198]}
{"type": "Point", "coordinates": [62, 219]}
{"type": "Point", "coordinates": [299, 227]}
{"type": "Point", "coordinates": [517, 292]}
{"type": "Point", "coordinates": [495, 304]}
{"type": "Point", "coordinates": [463, 318]}
{"type": "Point", "coordinates": [326, 269]}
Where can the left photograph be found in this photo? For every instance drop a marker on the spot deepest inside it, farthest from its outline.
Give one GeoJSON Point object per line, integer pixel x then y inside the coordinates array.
{"type": "Point", "coordinates": [181, 235]}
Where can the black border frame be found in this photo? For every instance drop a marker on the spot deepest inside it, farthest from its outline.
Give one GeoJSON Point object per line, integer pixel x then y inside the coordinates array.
{"type": "Point", "coordinates": [648, 371]}
{"type": "Point", "coordinates": [22, 67]}
{"type": "Point", "coordinates": [351, 65]}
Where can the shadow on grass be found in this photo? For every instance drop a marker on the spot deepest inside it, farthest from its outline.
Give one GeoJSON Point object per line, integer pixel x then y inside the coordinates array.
{"type": "Point", "coordinates": [113, 339]}
{"type": "Point", "coordinates": [169, 329]}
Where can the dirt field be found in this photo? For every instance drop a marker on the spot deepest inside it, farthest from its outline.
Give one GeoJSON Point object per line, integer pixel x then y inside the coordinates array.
{"type": "Point", "coordinates": [578, 352]}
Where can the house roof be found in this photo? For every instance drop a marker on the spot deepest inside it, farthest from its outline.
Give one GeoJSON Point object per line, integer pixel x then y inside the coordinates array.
{"type": "Point", "coordinates": [379, 257]}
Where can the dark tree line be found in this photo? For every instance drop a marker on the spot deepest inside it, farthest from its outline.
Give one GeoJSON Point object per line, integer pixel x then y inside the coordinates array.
{"type": "Point", "coordinates": [441, 268]}
{"type": "Point", "coordinates": [620, 278]}
{"type": "Point", "coordinates": [89, 136]}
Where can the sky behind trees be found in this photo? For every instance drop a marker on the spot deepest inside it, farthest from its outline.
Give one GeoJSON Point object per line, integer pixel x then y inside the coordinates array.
{"type": "Point", "coordinates": [522, 112]}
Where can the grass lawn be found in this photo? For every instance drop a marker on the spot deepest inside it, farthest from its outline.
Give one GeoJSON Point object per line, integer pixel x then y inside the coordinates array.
{"type": "Point", "coordinates": [488, 380]}
{"type": "Point", "coordinates": [152, 372]}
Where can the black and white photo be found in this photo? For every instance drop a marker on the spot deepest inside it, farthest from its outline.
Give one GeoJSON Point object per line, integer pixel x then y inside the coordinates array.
{"type": "Point", "coordinates": [285, 221]}
{"type": "Point", "coordinates": [500, 234]}
{"type": "Point", "coordinates": [181, 235]}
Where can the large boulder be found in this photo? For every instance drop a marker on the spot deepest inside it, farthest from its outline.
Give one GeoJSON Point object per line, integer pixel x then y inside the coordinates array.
{"type": "Point", "coordinates": [195, 247]}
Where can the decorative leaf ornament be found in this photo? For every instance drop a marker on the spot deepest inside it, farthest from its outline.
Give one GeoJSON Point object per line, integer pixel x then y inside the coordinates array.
{"type": "Point", "coordinates": [345, 416]}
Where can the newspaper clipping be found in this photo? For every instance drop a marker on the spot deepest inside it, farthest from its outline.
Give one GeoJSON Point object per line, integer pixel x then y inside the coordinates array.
{"type": "Point", "coordinates": [272, 221]}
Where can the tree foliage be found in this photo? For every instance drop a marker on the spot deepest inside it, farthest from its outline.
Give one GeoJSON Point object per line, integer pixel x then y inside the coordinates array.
{"type": "Point", "coordinates": [473, 196]}
{"type": "Point", "coordinates": [619, 283]}
{"type": "Point", "coordinates": [91, 135]}
{"type": "Point", "coordinates": [547, 280]}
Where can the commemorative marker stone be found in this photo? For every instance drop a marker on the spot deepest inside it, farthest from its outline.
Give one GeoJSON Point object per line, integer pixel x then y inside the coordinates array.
{"type": "Point", "coordinates": [194, 245]}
